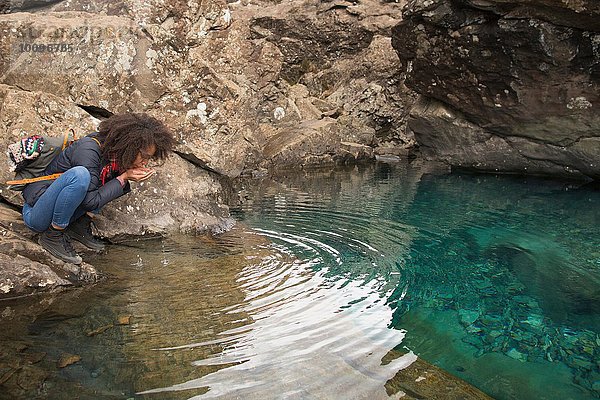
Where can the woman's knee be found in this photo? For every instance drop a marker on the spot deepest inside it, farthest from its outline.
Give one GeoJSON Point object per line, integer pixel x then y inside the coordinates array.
{"type": "Point", "coordinates": [80, 176]}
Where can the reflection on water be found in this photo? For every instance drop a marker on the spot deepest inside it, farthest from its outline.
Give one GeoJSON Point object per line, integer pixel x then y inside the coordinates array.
{"type": "Point", "coordinates": [304, 326]}
{"type": "Point", "coordinates": [331, 284]}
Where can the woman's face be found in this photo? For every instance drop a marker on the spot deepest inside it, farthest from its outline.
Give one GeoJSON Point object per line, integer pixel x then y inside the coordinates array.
{"type": "Point", "coordinates": [144, 156]}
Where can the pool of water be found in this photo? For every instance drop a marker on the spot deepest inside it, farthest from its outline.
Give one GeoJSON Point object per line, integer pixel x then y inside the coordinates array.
{"type": "Point", "coordinates": [333, 282]}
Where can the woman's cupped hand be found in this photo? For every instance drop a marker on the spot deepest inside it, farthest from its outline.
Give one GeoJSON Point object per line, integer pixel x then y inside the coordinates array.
{"type": "Point", "coordinates": [137, 174]}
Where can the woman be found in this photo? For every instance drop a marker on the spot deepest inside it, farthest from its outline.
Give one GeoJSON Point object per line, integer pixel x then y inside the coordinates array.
{"type": "Point", "coordinates": [96, 170]}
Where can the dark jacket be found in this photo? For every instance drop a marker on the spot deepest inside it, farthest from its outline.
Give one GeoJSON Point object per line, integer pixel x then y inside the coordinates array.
{"type": "Point", "coordinates": [84, 152]}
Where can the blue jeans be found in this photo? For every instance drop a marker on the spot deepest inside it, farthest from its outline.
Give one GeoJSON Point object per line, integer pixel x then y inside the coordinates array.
{"type": "Point", "coordinates": [60, 203]}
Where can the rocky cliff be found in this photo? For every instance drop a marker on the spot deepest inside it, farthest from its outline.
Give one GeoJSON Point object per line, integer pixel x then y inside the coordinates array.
{"type": "Point", "coordinates": [508, 86]}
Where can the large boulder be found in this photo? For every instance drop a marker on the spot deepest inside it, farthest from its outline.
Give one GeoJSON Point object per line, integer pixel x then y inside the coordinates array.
{"type": "Point", "coordinates": [521, 79]}
{"type": "Point", "coordinates": [179, 197]}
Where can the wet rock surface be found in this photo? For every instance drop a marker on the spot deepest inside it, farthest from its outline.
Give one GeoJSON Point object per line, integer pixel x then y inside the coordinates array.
{"type": "Point", "coordinates": [421, 380]}
{"type": "Point", "coordinates": [24, 367]}
{"type": "Point", "coordinates": [507, 86]}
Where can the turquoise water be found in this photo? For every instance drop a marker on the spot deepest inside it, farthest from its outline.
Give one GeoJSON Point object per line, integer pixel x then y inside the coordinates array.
{"type": "Point", "coordinates": [495, 279]}
{"type": "Point", "coordinates": [333, 286]}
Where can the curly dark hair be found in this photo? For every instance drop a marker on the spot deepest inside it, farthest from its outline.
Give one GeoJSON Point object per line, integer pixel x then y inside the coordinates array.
{"type": "Point", "coordinates": [124, 135]}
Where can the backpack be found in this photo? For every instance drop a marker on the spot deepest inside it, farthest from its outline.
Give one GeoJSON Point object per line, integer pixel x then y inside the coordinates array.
{"type": "Point", "coordinates": [30, 156]}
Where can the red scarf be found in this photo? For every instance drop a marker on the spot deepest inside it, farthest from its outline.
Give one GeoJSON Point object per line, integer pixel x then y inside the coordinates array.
{"type": "Point", "coordinates": [109, 171]}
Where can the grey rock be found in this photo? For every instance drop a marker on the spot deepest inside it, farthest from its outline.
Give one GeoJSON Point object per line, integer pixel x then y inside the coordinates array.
{"type": "Point", "coordinates": [468, 317]}
{"type": "Point", "coordinates": [488, 80]}
{"type": "Point", "coordinates": [24, 113]}
{"type": "Point", "coordinates": [179, 197]}
{"type": "Point", "coordinates": [226, 89]}
{"type": "Point", "coordinates": [329, 36]}
{"type": "Point", "coordinates": [517, 355]}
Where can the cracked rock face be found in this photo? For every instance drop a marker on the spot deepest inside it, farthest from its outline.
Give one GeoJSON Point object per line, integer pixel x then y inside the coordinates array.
{"type": "Point", "coordinates": [24, 113]}
{"type": "Point", "coordinates": [507, 86]}
{"type": "Point", "coordinates": [93, 53]}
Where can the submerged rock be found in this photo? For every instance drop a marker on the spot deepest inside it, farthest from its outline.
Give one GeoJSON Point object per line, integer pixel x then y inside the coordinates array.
{"type": "Point", "coordinates": [68, 359]}
{"type": "Point", "coordinates": [517, 355]}
{"type": "Point", "coordinates": [467, 317]}
{"type": "Point", "coordinates": [421, 380]}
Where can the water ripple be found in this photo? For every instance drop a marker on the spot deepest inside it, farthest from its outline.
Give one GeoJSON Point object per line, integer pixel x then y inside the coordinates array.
{"type": "Point", "coordinates": [303, 324]}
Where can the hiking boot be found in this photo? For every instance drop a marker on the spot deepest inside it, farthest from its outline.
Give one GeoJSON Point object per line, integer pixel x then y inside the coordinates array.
{"type": "Point", "coordinates": [57, 244]}
{"type": "Point", "coordinates": [81, 231]}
